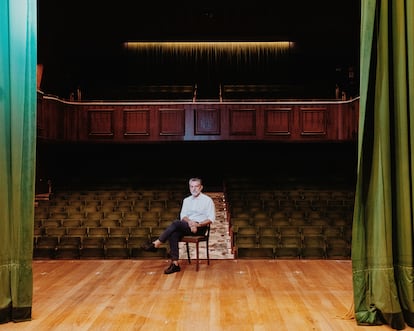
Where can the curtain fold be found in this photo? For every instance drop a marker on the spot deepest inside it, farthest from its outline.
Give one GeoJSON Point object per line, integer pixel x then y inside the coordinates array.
{"type": "Point", "coordinates": [18, 47]}
{"type": "Point", "coordinates": [382, 239]}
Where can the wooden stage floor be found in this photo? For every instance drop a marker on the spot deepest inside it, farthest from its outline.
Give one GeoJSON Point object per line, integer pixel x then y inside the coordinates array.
{"type": "Point", "coordinates": [227, 295]}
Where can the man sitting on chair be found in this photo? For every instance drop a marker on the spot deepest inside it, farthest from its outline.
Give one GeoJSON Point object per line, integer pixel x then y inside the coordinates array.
{"type": "Point", "coordinates": [197, 212]}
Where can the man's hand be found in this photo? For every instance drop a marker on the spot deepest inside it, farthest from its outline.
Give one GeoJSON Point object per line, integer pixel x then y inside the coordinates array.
{"type": "Point", "coordinates": [193, 226]}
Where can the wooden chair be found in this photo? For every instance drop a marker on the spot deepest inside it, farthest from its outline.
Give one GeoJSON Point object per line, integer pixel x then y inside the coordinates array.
{"type": "Point", "coordinates": [196, 240]}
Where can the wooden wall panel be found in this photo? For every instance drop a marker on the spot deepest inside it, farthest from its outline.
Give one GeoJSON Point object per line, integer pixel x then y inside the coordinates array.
{"type": "Point", "coordinates": [207, 121]}
{"type": "Point", "coordinates": [313, 121]}
{"type": "Point", "coordinates": [71, 123]}
{"type": "Point", "coordinates": [278, 121]}
{"type": "Point", "coordinates": [40, 120]}
{"type": "Point", "coordinates": [294, 121]}
{"type": "Point", "coordinates": [348, 121]}
{"type": "Point", "coordinates": [136, 122]}
{"type": "Point", "coordinates": [101, 123]}
{"type": "Point", "coordinates": [242, 122]}
{"type": "Point", "coordinates": [172, 122]}
{"type": "Point", "coordinates": [52, 120]}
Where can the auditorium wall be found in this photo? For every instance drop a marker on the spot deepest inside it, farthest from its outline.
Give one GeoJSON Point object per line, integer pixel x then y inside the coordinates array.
{"type": "Point", "coordinates": [83, 144]}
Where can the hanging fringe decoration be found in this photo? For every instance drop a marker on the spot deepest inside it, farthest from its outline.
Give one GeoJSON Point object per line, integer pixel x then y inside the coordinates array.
{"type": "Point", "coordinates": [213, 51]}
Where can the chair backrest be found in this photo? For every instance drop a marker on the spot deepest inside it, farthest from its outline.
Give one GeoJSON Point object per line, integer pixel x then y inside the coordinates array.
{"type": "Point", "coordinates": [201, 237]}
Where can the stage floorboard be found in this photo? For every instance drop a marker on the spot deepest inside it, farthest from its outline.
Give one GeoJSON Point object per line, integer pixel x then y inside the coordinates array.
{"type": "Point", "coordinates": [225, 295]}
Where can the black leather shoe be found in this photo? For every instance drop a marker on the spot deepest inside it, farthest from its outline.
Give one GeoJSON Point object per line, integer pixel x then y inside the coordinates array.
{"type": "Point", "coordinates": [172, 268]}
{"type": "Point", "coordinates": [149, 247]}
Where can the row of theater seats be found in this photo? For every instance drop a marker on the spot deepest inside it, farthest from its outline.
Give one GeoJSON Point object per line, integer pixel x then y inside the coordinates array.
{"type": "Point", "coordinates": [292, 242]}
{"type": "Point", "coordinates": [75, 208]}
{"type": "Point", "coordinates": [106, 219]}
{"type": "Point", "coordinates": [95, 242]}
{"type": "Point", "coordinates": [103, 223]}
{"type": "Point", "coordinates": [295, 200]}
{"type": "Point", "coordinates": [296, 223]}
{"type": "Point", "coordinates": [262, 223]}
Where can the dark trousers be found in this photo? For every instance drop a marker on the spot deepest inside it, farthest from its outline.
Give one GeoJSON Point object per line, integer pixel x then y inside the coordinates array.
{"type": "Point", "coordinates": [174, 232]}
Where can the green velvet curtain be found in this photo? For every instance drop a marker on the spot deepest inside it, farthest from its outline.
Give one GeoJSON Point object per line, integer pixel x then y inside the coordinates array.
{"type": "Point", "coordinates": [18, 57]}
{"type": "Point", "coordinates": [382, 240]}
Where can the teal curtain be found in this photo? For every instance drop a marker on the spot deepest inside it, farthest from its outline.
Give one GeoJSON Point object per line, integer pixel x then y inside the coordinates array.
{"type": "Point", "coordinates": [18, 48]}
{"type": "Point", "coordinates": [382, 239]}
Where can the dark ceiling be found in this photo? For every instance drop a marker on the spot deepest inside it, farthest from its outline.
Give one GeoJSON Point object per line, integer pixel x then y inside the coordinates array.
{"type": "Point", "coordinates": [79, 42]}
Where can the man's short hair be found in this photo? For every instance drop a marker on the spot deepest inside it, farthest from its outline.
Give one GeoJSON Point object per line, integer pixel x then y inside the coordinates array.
{"type": "Point", "coordinates": [196, 179]}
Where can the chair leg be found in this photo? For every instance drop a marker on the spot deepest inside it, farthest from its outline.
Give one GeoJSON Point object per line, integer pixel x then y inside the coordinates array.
{"type": "Point", "coordinates": [188, 253]}
{"type": "Point", "coordinates": [197, 255]}
{"type": "Point", "coordinates": [207, 254]}
{"type": "Point", "coordinates": [197, 248]}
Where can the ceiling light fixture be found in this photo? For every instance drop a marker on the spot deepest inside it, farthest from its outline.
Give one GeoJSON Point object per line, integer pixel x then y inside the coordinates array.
{"type": "Point", "coordinates": [206, 47]}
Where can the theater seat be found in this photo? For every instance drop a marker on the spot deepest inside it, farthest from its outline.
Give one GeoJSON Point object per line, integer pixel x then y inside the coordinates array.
{"type": "Point", "coordinates": [313, 247]}
{"type": "Point", "coordinates": [116, 247]}
{"type": "Point", "coordinates": [92, 248]}
{"type": "Point", "coordinates": [337, 248]}
{"type": "Point", "coordinates": [45, 247]}
{"type": "Point", "coordinates": [289, 247]}
{"type": "Point", "coordinates": [69, 247]}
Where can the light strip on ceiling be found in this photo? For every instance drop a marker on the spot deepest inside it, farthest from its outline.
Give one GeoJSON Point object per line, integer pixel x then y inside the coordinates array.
{"type": "Point", "coordinates": [211, 46]}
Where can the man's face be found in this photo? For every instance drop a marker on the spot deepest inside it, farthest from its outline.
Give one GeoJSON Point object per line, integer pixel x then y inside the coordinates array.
{"type": "Point", "coordinates": [195, 188]}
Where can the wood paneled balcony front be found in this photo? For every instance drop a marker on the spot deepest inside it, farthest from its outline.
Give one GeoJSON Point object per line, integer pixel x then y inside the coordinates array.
{"type": "Point", "coordinates": [157, 121]}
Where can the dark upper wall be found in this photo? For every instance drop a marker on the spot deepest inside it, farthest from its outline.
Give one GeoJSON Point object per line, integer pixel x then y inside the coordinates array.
{"type": "Point", "coordinates": [79, 42]}
{"type": "Point", "coordinates": [275, 164]}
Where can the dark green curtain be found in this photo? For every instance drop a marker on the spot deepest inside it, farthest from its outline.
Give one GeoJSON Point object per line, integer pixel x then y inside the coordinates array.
{"type": "Point", "coordinates": [18, 48]}
{"type": "Point", "coordinates": [382, 240]}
